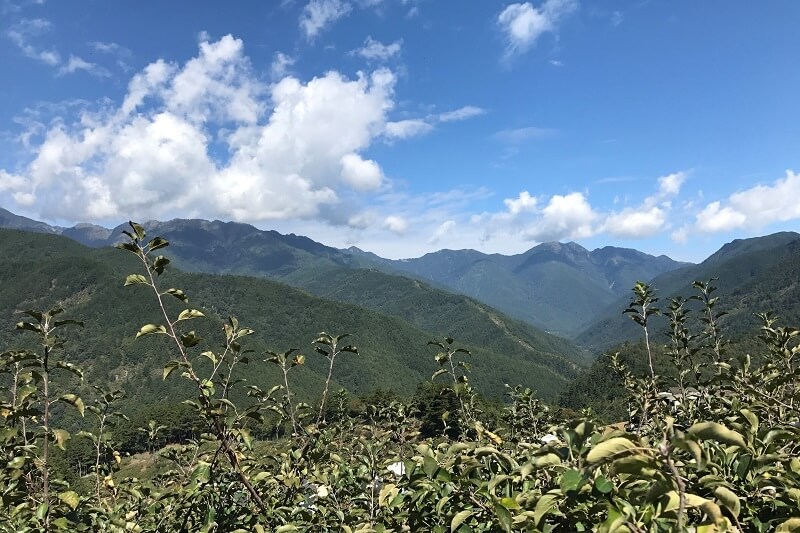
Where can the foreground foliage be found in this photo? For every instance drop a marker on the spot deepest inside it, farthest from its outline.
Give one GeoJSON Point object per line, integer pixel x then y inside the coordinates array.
{"type": "Point", "coordinates": [713, 448]}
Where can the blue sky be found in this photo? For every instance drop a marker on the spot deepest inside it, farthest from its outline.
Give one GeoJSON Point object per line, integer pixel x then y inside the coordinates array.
{"type": "Point", "coordinates": [406, 126]}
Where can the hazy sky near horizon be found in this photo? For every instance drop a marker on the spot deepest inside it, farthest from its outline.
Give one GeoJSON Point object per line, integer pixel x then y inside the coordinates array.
{"type": "Point", "coordinates": [406, 126]}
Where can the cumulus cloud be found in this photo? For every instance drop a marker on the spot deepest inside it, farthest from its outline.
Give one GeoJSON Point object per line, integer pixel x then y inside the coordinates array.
{"type": "Point", "coordinates": [403, 129]}
{"type": "Point", "coordinates": [396, 224]}
{"type": "Point", "coordinates": [362, 175]}
{"type": "Point", "coordinates": [377, 51]}
{"type": "Point", "coordinates": [524, 202]}
{"type": "Point", "coordinates": [207, 138]}
{"type": "Point", "coordinates": [755, 207]}
{"type": "Point", "coordinates": [280, 65]}
{"type": "Point", "coordinates": [571, 216]}
{"type": "Point", "coordinates": [564, 217]}
{"type": "Point", "coordinates": [318, 14]}
{"type": "Point", "coordinates": [649, 218]}
{"type": "Point", "coordinates": [523, 24]}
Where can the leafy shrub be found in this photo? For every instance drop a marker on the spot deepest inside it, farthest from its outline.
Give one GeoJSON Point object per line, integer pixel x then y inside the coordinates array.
{"type": "Point", "coordinates": [711, 446]}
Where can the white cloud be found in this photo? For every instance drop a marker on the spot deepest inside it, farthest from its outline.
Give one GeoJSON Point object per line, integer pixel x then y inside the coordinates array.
{"type": "Point", "coordinates": [462, 113]}
{"type": "Point", "coordinates": [524, 202]}
{"type": "Point", "coordinates": [375, 50]}
{"type": "Point", "coordinates": [520, 135]}
{"type": "Point", "coordinates": [649, 218]}
{"type": "Point", "coordinates": [565, 217]}
{"type": "Point", "coordinates": [442, 231]}
{"type": "Point", "coordinates": [21, 33]}
{"type": "Point", "coordinates": [403, 129]}
{"type": "Point", "coordinates": [110, 48]}
{"type": "Point", "coordinates": [280, 65]}
{"type": "Point", "coordinates": [523, 24]}
{"type": "Point", "coordinates": [636, 223]}
{"type": "Point", "coordinates": [396, 224]}
{"type": "Point", "coordinates": [207, 138]}
{"type": "Point", "coordinates": [76, 63]}
{"type": "Point", "coordinates": [714, 218]}
{"type": "Point", "coordinates": [361, 174]}
{"type": "Point", "coordinates": [320, 13]}
{"type": "Point", "coordinates": [670, 185]}
{"type": "Point", "coordinates": [752, 208]}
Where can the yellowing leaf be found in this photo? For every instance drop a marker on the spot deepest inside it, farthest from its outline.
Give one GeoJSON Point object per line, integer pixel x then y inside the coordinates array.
{"type": "Point", "coordinates": [610, 449]}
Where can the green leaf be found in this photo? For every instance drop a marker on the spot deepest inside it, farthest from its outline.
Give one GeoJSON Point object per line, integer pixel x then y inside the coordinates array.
{"type": "Point", "coordinates": [202, 472]}
{"type": "Point", "coordinates": [603, 485]}
{"type": "Point", "coordinates": [135, 279]}
{"type": "Point", "coordinates": [509, 503]}
{"type": "Point", "coordinates": [190, 339]}
{"type": "Point", "coordinates": [544, 505]}
{"type": "Point", "coordinates": [29, 327]}
{"type": "Point", "coordinates": [169, 367]}
{"type": "Point", "coordinates": [71, 498]}
{"type": "Point", "coordinates": [41, 511]}
{"type": "Point", "coordinates": [188, 314]}
{"type": "Point", "coordinates": [717, 432]}
{"type": "Point", "coordinates": [459, 518]}
{"type": "Point", "coordinates": [61, 436]}
{"type": "Point", "coordinates": [179, 294]}
{"type": "Point", "coordinates": [159, 263]}
{"type": "Point", "coordinates": [138, 229]}
{"type": "Point", "coordinates": [609, 450]}
{"type": "Point", "coordinates": [157, 242]}
{"type": "Point", "coordinates": [69, 367]}
{"type": "Point", "coordinates": [16, 463]}
{"type": "Point", "coordinates": [74, 401]}
{"type": "Point", "coordinates": [728, 499]}
{"type": "Point", "coordinates": [429, 466]}
{"type": "Point", "coordinates": [571, 480]}
{"type": "Point", "coordinates": [438, 373]}
{"type": "Point", "coordinates": [150, 329]}
{"type": "Point", "coordinates": [504, 516]}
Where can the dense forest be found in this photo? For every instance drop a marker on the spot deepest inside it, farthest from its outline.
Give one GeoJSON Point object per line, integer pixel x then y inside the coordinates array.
{"type": "Point", "coordinates": [695, 430]}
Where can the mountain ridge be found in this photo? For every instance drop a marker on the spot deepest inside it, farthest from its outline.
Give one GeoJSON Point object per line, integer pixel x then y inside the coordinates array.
{"type": "Point", "coordinates": [557, 287]}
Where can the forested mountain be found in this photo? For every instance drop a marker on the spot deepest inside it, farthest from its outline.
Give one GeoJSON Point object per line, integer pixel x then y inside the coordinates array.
{"type": "Point", "coordinates": [45, 270]}
{"type": "Point", "coordinates": [754, 275]}
{"type": "Point", "coordinates": [556, 287]}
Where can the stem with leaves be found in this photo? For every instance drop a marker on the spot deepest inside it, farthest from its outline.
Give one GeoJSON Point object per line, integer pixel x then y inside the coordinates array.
{"type": "Point", "coordinates": [44, 325]}
{"type": "Point", "coordinates": [447, 356]}
{"type": "Point", "coordinates": [142, 250]}
{"type": "Point", "coordinates": [285, 362]}
{"type": "Point", "coordinates": [640, 309]}
{"type": "Point", "coordinates": [328, 345]}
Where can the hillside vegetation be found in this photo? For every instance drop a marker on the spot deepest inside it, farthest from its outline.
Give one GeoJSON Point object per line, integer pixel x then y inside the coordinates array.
{"type": "Point", "coordinates": [711, 446]}
{"type": "Point", "coordinates": [556, 287]}
{"type": "Point", "coordinates": [43, 270]}
{"type": "Point", "coordinates": [754, 275]}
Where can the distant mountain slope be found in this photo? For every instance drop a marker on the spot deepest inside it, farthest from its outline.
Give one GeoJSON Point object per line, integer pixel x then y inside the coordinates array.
{"type": "Point", "coordinates": [755, 275]}
{"type": "Point", "coordinates": [11, 221]}
{"type": "Point", "coordinates": [42, 270]}
{"type": "Point", "coordinates": [557, 287]}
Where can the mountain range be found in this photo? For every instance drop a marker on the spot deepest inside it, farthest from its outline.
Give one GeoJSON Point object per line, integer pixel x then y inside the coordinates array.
{"type": "Point", "coordinates": [561, 288]}
{"type": "Point", "coordinates": [40, 271]}
{"type": "Point", "coordinates": [556, 287]}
